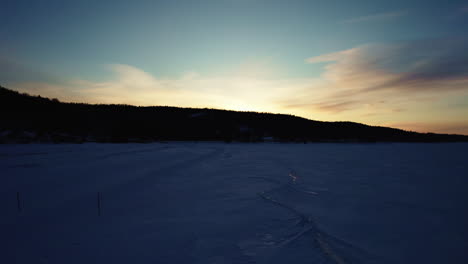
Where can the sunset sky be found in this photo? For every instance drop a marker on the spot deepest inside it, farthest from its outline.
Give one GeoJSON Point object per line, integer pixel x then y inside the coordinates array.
{"type": "Point", "coordinates": [391, 63]}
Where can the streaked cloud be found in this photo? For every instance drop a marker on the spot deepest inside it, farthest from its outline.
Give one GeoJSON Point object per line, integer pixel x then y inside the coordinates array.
{"type": "Point", "coordinates": [417, 80]}
{"type": "Point", "coordinates": [419, 69]}
{"type": "Point", "coordinates": [376, 17]}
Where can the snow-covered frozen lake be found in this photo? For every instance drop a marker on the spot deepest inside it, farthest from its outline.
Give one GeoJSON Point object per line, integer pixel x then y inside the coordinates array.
{"type": "Point", "coordinates": [234, 203]}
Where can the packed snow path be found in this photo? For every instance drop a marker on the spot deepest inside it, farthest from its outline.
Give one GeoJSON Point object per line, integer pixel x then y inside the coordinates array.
{"type": "Point", "coordinates": [234, 203]}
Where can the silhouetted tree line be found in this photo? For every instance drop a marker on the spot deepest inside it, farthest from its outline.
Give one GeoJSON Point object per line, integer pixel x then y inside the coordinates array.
{"type": "Point", "coordinates": [26, 118]}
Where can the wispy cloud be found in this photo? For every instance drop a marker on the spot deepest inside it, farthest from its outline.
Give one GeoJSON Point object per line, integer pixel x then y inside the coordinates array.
{"type": "Point", "coordinates": [131, 85]}
{"type": "Point", "coordinates": [335, 107]}
{"type": "Point", "coordinates": [376, 17]}
{"type": "Point", "coordinates": [399, 84]}
{"type": "Point", "coordinates": [393, 81]}
{"type": "Point", "coordinates": [434, 66]}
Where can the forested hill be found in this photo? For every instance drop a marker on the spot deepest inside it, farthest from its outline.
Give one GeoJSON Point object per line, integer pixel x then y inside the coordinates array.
{"type": "Point", "coordinates": [26, 118]}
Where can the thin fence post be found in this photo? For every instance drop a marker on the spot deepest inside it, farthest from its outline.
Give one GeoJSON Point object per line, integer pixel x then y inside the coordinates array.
{"type": "Point", "coordinates": [99, 203]}
{"type": "Point", "coordinates": [18, 200]}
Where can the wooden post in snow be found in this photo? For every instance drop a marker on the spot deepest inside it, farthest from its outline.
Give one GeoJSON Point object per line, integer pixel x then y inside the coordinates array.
{"type": "Point", "coordinates": [99, 203]}
{"type": "Point", "coordinates": [18, 200]}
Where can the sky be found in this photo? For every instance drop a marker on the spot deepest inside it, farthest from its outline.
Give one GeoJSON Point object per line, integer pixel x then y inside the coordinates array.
{"type": "Point", "coordinates": [396, 63]}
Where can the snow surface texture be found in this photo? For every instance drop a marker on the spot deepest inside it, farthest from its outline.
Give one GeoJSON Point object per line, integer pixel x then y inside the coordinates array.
{"type": "Point", "coordinates": [234, 203]}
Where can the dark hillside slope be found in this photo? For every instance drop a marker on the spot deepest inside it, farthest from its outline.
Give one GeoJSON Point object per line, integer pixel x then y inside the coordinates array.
{"type": "Point", "coordinates": [26, 118]}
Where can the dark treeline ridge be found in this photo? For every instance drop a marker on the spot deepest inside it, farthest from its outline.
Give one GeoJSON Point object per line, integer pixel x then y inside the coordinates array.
{"type": "Point", "coordinates": [25, 118]}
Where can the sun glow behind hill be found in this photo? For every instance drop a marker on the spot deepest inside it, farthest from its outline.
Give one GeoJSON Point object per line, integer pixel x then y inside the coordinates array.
{"type": "Point", "coordinates": [331, 97]}
{"type": "Point", "coordinates": [400, 64]}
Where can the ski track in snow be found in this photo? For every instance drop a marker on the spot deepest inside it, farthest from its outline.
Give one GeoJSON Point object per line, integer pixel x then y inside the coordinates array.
{"type": "Point", "coordinates": [234, 203]}
{"type": "Point", "coordinates": [307, 226]}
